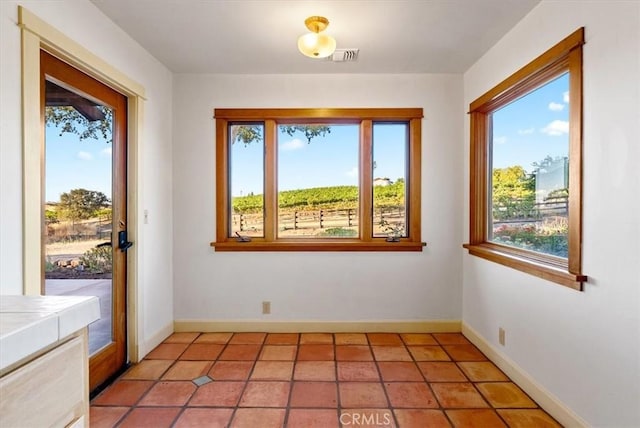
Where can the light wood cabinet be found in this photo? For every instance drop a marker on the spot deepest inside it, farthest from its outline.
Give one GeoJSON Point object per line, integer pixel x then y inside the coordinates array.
{"type": "Point", "coordinates": [44, 360]}
{"type": "Point", "coordinates": [48, 391]}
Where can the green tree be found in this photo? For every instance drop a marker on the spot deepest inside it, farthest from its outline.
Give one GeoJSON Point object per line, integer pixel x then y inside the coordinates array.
{"type": "Point", "coordinates": [513, 192]}
{"type": "Point", "coordinates": [51, 217]}
{"type": "Point", "coordinates": [248, 134]}
{"type": "Point", "coordinates": [104, 213]}
{"type": "Point", "coordinates": [70, 121]}
{"type": "Point", "coordinates": [512, 182]}
{"type": "Point", "coordinates": [78, 204]}
{"type": "Point", "coordinates": [309, 131]}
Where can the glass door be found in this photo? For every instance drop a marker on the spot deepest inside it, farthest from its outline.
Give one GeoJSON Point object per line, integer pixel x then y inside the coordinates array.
{"type": "Point", "coordinates": [84, 224]}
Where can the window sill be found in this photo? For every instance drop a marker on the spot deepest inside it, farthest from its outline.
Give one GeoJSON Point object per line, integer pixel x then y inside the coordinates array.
{"type": "Point", "coordinates": [318, 245]}
{"type": "Point", "coordinates": [518, 260]}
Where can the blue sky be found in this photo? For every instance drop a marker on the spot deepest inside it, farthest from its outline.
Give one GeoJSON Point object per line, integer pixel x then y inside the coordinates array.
{"type": "Point", "coordinates": [520, 138]}
{"type": "Point", "coordinates": [72, 164]}
{"type": "Point", "coordinates": [325, 161]}
{"type": "Point", "coordinates": [331, 160]}
{"type": "Point", "coordinates": [533, 127]}
{"type": "Point", "coordinates": [524, 132]}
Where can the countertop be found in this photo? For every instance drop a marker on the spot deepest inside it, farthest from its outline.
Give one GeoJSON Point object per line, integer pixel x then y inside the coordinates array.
{"type": "Point", "coordinates": [31, 323]}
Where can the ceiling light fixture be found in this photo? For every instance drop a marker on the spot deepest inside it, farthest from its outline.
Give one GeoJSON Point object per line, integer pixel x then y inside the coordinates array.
{"type": "Point", "coordinates": [315, 44]}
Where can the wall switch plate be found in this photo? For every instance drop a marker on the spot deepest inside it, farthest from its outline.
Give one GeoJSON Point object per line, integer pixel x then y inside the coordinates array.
{"type": "Point", "coordinates": [266, 307]}
{"type": "Point", "coordinates": [501, 335]}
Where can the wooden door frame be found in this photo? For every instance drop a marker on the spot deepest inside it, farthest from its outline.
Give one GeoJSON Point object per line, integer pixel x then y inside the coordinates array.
{"type": "Point", "coordinates": [110, 359]}
{"type": "Point", "coordinates": [38, 35]}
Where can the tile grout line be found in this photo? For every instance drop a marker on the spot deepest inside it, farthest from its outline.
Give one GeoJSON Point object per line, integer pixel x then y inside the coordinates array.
{"type": "Point", "coordinates": [473, 384]}
{"type": "Point", "coordinates": [184, 406]}
{"type": "Point", "coordinates": [291, 382]}
{"type": "Point", "coordinates": [246, 382]}
{"type": "Point", "coordinates": [338, 401]}
{"type": "Point", "coordinates": [382, 382]}
{"type": "Point", "coordinates": [135, 405]}
{"type": "Point", "coordinates": [416, 362]}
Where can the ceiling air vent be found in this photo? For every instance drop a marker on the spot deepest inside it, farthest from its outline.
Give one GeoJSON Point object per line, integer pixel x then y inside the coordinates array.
{"type": "Point", "coordinates": [344, 55]}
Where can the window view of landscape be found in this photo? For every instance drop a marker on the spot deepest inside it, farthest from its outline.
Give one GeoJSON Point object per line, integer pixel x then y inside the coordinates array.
{"type": "Point", "coordinates": [78, 158]}
{"type": "Point", "coordinates": [390, 142]}
{"type": "Point", "coordinates": [246, 183]}
{"type": "Point", "coordinates": [530, 179]}
{"type": "Point", "coordinates": [318, 180]}
{"type": "Point", "coordinates": [77, 213]}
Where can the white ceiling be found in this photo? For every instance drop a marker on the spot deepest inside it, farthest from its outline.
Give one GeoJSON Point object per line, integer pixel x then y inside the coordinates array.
{"type": "Point", "coordinates": [260, 36]}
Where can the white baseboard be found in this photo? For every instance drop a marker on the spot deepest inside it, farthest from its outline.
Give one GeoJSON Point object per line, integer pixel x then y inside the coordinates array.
{"type": "Point", "coordinates": [306, 326]}
{"type": "Point", "coordinates": [153, 341]}
{"type": "Point", "coordinates": [549, 402]}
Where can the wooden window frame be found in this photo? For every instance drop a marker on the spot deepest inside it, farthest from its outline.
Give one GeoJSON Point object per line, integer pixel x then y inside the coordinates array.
{"type": "Point", "coordinates": [365, 118]}
{"type": "Point", "coordinates": [565, 56]}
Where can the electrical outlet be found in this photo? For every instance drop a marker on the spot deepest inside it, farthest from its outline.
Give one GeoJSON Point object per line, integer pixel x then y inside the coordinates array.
{"type": "Point", "coordinates": [266, 307]}
{"type": "Point", "coordinates": [501, 335]}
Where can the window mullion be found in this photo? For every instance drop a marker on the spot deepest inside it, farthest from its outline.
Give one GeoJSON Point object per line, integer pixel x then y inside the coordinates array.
{"type": "Point", "coordinates": [270, 180]}
{"type": "Point", "coordinates": [366, 180]}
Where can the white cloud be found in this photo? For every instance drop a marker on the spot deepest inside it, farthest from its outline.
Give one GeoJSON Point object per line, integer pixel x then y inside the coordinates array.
{"type": "Point", "coordinates": [500, 140]}
{"type": "Point", "coordinates": [106, 152]}
{"type": "Point", "coordinates": [527, 131]}
{"type": "Point", "coordinates": [565, 97]}
{"type": "Point", "coordinates": [353, 172]}
{"type": "Point", "coordinates": [84, 156]}
{"type": "Point", "coordinates": [555, 128]}
{"type": "Point", "coordinates": [294, 144]}
{"type": "Point", "coordinates": [555, 106]}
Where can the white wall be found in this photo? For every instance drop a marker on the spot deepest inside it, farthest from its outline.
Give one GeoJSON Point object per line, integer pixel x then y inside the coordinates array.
{"type": "Point", "coordinates": [317, 286]}
{"type": "Point", "coordinates": [583, 347]}
{"type": "Point", "coordinates": [84, 23]}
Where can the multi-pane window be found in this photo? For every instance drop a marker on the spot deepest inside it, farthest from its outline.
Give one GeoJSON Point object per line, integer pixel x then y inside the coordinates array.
{"type": "Point", "coordinates": [318, 179]}
{"type": "Point", "coordinates": [526, 173]}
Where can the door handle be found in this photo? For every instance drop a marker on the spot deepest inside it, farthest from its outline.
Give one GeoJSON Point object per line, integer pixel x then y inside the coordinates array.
{"type": "Point", "coordinates": [123, 243]}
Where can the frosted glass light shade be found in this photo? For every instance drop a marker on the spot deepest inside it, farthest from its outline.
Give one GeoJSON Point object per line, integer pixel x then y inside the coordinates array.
{"type": "Point", "coordinates": [316, 45]}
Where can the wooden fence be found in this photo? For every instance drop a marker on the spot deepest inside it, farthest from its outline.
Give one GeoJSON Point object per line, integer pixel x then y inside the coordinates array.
{"type": "Point", "coordinates": [317, 219]}
{"type": "Point", "coordinates": [81, 230]}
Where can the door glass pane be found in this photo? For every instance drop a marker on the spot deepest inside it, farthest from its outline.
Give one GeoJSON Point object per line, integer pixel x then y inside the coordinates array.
{"type": "Point", "coordinates": [78, 191]}
{"type": "Point", "coordinates": [390, 145]}
{"type": "Point", "coordinates": [246, 163]}
{"type": "Point", "coordinates": [530, 171]}
{"type": "Point", "coordinates": [318, 181]}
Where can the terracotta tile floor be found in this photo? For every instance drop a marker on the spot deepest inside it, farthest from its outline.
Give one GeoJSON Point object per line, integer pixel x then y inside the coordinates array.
{"type": "Point", "coordinates": [260, 380]}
